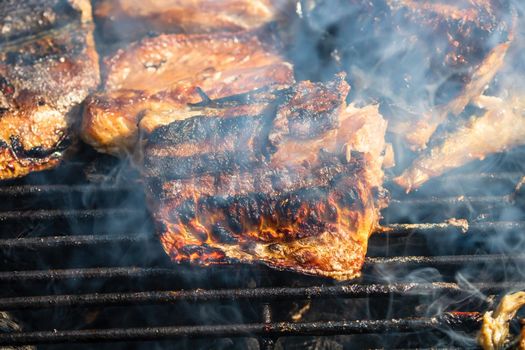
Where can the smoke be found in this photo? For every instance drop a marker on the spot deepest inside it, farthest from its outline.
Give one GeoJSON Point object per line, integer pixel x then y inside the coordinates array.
{"type": "Point", "coordinates": [409, 64]}
{"type": "Point", "coordinates": [412, 62]}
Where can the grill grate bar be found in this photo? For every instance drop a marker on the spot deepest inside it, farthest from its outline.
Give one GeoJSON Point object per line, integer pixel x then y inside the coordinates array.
{"type": "Point", "coordinates": [15, 191]}
{"type": "Point", "coordinates": [49, 214]}
{"type": "Point", "coordinates": [71, 241]}
{"type": "Point", "coordinates": [392, 230]}
{"type": "Point", "coordinates": [468, 322]}
{"type": "Point", "coordinates": [445, 260]}
{"type": "Point", "coordinates": [137, 272]}
{"type": "Point", "coordinates": [32, 190]}
{"type": "Point", "coordinates": [54, 214]}
{"type": "Point", "coordinates": [457, 226]}
{"type": "Point", "coordinates": [202, 295]}
{"type": "Point", "coordinates": [87, 273]}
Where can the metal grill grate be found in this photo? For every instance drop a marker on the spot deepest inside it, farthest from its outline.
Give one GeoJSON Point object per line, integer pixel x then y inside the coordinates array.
{"type": "Point", "coordinates": [78, 255]}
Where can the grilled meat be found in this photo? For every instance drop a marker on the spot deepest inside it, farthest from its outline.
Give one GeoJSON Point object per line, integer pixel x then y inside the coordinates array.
{"type": "Point", "coordinates": [417, 134]}
{"type": "Point", "coordinates": [48, 65]}
{"type": "Point", "coordinates": [132, 19]}
{"type": "Point", "coordinates": [287, 177]}
{"type": "Point", "coordinates": [150, 79]}
{"type": "Point", "coordinates": [423, 60]}
{"type": "Point", "coordinates": [466, 46]}
{"type": "Point", "coordinates": [500, 128]}
{"type": "Point", "coordinates": [495, 328]}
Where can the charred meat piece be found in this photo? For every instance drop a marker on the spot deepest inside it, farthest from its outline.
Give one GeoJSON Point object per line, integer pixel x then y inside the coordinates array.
{"type": "Point", "coordinates": [48, 65]}
{"type": "Point", "coordinates": [500, 128]}
{"type": "Point", "coordinates": [294, 182]}
{"type": "Point", "coordinates": [132, 19]}
{"type": "Point", "coordinates": [423, 60]}
{"type": "Point", "coordinates": [149, 80]}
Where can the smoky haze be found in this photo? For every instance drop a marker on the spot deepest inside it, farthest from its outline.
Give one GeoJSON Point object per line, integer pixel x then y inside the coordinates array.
{"type": "Point", "coordinates": [410, 67]}
{"type": "Point", "coordinates": [409, 62]}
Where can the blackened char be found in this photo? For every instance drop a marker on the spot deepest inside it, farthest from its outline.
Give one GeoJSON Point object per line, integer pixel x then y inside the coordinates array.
{"type": "Point", "coordinates": [293, 187]}
{"type": "Point", "coordinates": [160, 80]}
{"type": "Point", "coordinates": [48, 65]}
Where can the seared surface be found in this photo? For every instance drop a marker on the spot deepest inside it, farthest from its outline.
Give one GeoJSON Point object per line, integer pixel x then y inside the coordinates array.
{"type": "Point", "coordinates": [501, 127]}
{"type": "Point", "coordinates": [419, 133]}
{"type": "Point", "coordinates": [132, 19]}
{"type": "Point", "coordinates": [498, 123]}
{"type": "Point", "coordinates": [150, 79]}
{"type": "Point", "coordinates": [423, 60]}
{"type": "Point", "coordinates": [470, 38]}
{"type": "Point", "coordinates": [44, 76]}
{"type": "Point", "coordinates": [293, 185]}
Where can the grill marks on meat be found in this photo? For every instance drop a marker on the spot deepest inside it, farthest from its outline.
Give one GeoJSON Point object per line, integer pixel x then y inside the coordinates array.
{"type": "Point", "coordinates": [201, 145]}
{"type": "Point", "coordinates": [150, 80]}
{"type": "Point", "coordinates": [249, 194]}
{"type": "Point", "coordinates": [44, 77]}
{"type": "Point", "coordinates": [131, 19]}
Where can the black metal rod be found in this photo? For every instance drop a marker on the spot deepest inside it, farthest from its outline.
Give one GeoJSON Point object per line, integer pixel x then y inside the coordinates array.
{"type": "Point", "coordinates": [136, 272]}
{"type": "Point", "coordinates": [52, 189]}
{"type": "Point", "coordinates": [56, 214]}
{"type": "Point", "coordinates": [71, 241]}
{"type": "Point", "coordinates": [393, 230]}
{"type": "Point", "coordinates": [86, 273]}
{"type": "Point", "coordinates": [444, 260]}
{"type": "Point", "coordinates": [466, 322]}
{"type": "Point", "coordinates": [274, 293]}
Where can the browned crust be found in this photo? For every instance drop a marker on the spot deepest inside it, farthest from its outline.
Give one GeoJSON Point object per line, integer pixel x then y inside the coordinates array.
{"type": "Point", "coordinates": [43, 79]}
{"type": "Point", "coordinates": [11, 166]}
{"type": "Point", "coordinates": [500, 128]}
{"type": "Point", "coordinates": [311, 214]}
{"type": "Point", "coordinates": [131, 19]}
{"type": "Point", "coordinates": [152, 82]}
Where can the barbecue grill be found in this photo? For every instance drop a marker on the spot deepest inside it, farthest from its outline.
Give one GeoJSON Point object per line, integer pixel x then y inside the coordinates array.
{"type": "Point", "coordinates": [81, 265]}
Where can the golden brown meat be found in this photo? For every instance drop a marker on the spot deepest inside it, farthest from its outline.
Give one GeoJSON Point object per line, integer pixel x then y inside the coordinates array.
{"type": "Point", "coordinates": [132, 19]}
{"type": "Point", "coordinates": [495, 329]}
{"type": "Point", "coordinates": [468, 11]}
{"type": "Point", "coordinates": [150, 79]}
{"type": "Point", "coordinates": [499, 129]}
{"type": "Point", "coordinates": [417, 133]}
{"type": "Point", "coordinates": [423, 59]}
{"type": "Point", "coordinates": [469, 35]}
{"type": "Point", "coordinates": [48, 65]}
{"type": "Point", "coordinates": [292, 181]}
